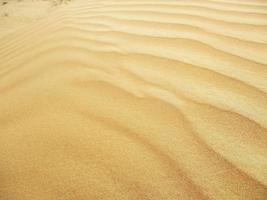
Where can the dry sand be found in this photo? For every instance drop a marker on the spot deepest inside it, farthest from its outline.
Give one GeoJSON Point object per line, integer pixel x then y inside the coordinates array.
{"type": "Point", "coordinates": [133, 99]}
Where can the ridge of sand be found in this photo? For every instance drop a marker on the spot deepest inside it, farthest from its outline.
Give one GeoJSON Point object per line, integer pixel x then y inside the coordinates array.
{"type": "Point", "coordinates": [134, 99]}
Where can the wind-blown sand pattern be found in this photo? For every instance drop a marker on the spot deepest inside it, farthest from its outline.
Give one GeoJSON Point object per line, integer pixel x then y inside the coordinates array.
{"type": "Point", "coordinates": [133, 99]}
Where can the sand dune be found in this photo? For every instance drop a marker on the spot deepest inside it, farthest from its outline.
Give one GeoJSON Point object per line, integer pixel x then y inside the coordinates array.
{"type": "Point", "coordinates": [133, 99]}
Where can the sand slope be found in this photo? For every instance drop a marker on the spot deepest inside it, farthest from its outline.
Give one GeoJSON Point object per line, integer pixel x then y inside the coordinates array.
{"type": "Point", "coordinates": [135, 99]}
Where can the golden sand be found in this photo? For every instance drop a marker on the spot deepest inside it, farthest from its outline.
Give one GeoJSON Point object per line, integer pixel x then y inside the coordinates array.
{"type": "Point", "coordinates": [133, 100]}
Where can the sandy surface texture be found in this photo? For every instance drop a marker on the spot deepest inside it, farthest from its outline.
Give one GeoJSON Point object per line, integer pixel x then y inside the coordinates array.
{"type": "Point", "coordinates": [133, 100]}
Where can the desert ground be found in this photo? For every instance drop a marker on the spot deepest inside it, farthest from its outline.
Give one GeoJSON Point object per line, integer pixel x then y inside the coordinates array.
{"type": "Point", "coordinates": [133, 100]}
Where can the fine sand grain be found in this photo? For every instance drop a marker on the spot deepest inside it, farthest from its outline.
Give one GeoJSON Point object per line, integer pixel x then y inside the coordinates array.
{"type": "Point", "coordinates": [133, 100]}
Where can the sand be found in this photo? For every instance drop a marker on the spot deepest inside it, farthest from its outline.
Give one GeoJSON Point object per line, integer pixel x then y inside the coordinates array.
{"type": "Point", "coordinates": [133, 99]}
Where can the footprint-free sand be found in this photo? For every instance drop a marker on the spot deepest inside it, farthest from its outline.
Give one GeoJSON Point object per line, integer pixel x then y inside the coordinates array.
{"type": "Point", "coordinates": [133, 100]}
